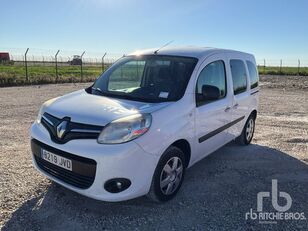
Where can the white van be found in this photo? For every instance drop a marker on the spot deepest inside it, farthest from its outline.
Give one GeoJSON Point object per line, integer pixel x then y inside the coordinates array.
{"type": "Point", "coordinates": [144, 121]}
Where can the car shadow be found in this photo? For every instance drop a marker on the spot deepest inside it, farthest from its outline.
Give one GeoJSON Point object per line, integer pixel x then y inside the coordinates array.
{"type": "Point", "coordinates": [217, 193]}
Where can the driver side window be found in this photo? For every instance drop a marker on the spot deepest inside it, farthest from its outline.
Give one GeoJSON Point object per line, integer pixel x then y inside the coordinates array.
{"type": "Point", "coordinates": [211, 83]}
{"type": "Point", "coordinates": [129, 75]}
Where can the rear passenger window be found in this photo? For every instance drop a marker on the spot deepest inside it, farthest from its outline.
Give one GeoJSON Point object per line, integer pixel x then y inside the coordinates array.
{"type": "Point", "coordinates": [212, 76]}
{"type": "Point", "coordinates": [253, 74]}
{"type": "Point", "coordinates": [239, 76]}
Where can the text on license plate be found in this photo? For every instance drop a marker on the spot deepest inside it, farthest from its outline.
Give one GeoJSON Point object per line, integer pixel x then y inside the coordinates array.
{"type": "Point", "coordinates": [56, 159]}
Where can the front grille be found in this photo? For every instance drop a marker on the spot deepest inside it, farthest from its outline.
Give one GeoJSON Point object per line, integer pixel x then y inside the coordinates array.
{"type": "Point", "coordinates": [73, 130]}
{"type": "Point", "coordinates": [83, 169]}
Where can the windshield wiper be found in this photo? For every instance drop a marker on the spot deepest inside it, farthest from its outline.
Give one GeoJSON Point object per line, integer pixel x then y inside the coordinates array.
{"type": "Point", "coordinates": [106, 93]}
{"type": "Point", "coordinates": [126, 96]}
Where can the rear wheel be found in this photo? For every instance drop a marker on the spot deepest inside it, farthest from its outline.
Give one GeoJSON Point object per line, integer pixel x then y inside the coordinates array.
{"type": "Point", "coordinates": [248, 131]}
{"type": "Point", "coordinates": [168, 175]}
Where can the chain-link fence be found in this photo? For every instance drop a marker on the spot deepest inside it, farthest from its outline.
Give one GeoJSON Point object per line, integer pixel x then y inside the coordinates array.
{"type": "Point", "coordinates": [283, 66]}
{"type": "Point", "coordinates": [34, 66]}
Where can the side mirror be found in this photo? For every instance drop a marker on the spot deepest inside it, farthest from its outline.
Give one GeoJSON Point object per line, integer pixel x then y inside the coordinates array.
{"type": "Point", "coordinates": [210, 92]}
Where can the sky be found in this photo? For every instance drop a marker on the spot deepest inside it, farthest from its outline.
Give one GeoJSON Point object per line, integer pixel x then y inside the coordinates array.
{"type": "Point", "coordinates": [275, 29]}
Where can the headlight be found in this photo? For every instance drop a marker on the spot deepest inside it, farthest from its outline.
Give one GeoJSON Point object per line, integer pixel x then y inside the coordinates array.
{"type": "Point", "coordinates": [125, 129]}
{"type": "Point", "coordinates": [39, 116]}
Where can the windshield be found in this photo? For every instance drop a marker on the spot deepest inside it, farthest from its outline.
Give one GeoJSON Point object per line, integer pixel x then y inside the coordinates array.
{"type": "Point", "coordinates": [149, 78]}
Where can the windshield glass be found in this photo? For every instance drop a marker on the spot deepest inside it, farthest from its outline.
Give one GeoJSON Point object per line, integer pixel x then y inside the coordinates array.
{"type": "Point", "coordinates": [149, 78]}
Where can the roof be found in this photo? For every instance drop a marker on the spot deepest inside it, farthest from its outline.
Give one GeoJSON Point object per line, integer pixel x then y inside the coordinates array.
{"type": "Point", "coordinates": [189, 51]}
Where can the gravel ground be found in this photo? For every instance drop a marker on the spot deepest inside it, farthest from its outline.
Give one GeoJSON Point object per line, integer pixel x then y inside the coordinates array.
{"type": "Point", "coordinates": [217, 191]}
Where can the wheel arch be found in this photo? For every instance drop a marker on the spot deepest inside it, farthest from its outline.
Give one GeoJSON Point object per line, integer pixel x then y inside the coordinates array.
{"type": "Point", "coordinates": [254, 114]}
{"type": "Point", "coordinates": [185, 147]}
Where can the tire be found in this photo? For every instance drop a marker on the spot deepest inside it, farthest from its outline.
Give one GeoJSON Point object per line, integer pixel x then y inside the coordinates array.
{"type": "Point", "coordinates": [247, 132]}
{"type": "Point", "coordinates": [170, 182]}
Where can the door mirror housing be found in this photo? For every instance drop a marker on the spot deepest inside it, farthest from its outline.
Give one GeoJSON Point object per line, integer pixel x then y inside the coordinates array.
{"type": "Point", "coordinates": [210, 92]}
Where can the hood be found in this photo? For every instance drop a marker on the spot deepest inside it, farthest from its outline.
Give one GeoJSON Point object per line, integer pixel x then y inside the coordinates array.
{"type": "Point", "coordinates": [86, 108]}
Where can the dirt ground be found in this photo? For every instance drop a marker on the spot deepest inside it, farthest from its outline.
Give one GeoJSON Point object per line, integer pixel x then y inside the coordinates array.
{"type": "Point", "coordinates": [216, 194]}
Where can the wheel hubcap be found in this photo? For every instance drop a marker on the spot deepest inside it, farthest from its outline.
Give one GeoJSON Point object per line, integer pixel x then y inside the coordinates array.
{"type": "Point", "coordinates": [171, 175]}
{"type": "Point", "coordinates": [249, 129]}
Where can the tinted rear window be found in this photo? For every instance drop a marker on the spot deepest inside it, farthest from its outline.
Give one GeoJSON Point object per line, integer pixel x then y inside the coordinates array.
{"type": "Point", "coordinates": [253, 74]}
{"type": "Point", "coordinates": [239, 76]}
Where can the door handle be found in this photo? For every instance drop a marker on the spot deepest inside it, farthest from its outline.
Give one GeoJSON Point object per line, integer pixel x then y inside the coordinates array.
{"type": "Point", "coordinates": [235, 105]}
{"type": "Point", "coordinates": [227, 109]}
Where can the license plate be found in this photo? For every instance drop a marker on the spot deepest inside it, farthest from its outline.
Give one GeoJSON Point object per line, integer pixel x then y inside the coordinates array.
{"type": "Point", "coordinates": [56, 160]}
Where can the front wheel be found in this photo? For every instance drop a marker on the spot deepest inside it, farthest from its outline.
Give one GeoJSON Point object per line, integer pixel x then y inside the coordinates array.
{"type": "Point", "coordinates": [168, 175]}
{"type": "Point", "coordinates": [248, 131]}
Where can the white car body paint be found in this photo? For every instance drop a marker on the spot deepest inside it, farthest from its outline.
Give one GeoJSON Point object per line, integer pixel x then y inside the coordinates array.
{"type": "Point", "coordinates": [136, 160]}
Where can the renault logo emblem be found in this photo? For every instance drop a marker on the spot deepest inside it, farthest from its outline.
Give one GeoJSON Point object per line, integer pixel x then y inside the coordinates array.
{"type": "Point", "coordinates": [61, 129]}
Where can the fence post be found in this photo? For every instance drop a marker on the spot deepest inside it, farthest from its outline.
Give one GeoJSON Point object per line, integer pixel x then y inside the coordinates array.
{"type": "Point", "coordinates": [56, 60]}
{"type": "Point", "coordinates": [103, 63]}
{"type": "Point", "coordinates": [298, 67]}
{"type": "Point", "coordinates": [26, 65]}
{"type": "Point", "coordinates": [280, 66]}
{"type": "Point", "coordinates": [81, 74]}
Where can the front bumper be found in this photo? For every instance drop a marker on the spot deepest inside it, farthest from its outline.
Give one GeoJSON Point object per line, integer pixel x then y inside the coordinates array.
{"type": "Point", "coordinates": [126, 160]}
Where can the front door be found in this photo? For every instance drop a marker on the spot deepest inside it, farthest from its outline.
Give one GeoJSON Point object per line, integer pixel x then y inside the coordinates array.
{"type": "Point", "coordinates": [212, 116]}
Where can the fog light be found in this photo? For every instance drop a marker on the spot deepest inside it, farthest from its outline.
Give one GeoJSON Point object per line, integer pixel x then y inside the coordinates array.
{"type": "Point", "coordinates": [117, 185]}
